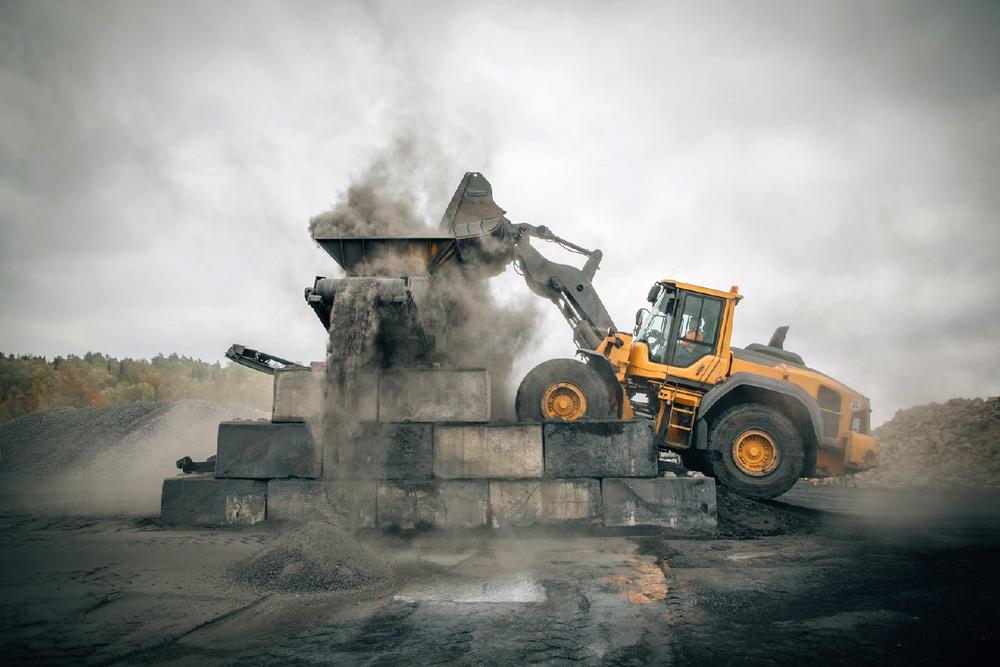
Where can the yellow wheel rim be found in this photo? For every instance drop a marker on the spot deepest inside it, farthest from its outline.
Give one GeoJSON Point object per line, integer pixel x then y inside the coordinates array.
{"type": "Point", "coordinates": [756, 453]}
{"type": "Point", "coordinates": [564, 400]}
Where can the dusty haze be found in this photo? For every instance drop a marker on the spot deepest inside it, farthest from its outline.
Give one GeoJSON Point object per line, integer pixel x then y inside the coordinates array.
{"type": "Point", "coordinates": [481, 329]}
{"type": "Point", "coordinates": [841, 163]}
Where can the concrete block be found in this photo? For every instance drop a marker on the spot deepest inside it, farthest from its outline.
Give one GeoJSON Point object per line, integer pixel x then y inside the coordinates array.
{"type": "Point", "coordinates": [356, 402]}
{"type": "Point", "coordinates": [442, 504]}
{"type": "Point", "coordinates": [303, 395]}
{"type": "Point", "coordinates": [476, 451]}
{"type": "Point", "coordinates": [683, 503]}
{"type": "Point", "coordinates": [434, 395]}
{"type": "Point", "coordinates": [600, 449]}
{"type": "Point", "coordinates": [262, 450]}
{"type": "Point", "coordinates": [298, 395]}
{"type": "Point", "coordinates": [348, 504]}
{"type": "Point", "coordinates": [380, 451]}
{"type": "Point", "coordinates": [529, 502]}
{"type": "Point", "coordinates": [202, 500]}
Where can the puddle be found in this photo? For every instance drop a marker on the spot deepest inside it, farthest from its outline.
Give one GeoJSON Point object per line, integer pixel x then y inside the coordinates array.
{"type": "Point", "coordinates": [517, 588]}
{"type": "Point", "coordinates": [849, 620]}
{"type": "Point", "coordinates": [643, 583]}
{"type": "Point", "coordinates": [748, 556]}
{"type": "Point", "coordinates": [446, 560]}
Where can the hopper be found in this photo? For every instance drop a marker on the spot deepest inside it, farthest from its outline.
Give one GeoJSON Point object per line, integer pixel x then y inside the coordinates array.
{"type": "Point", "coordinates": [372, 255]}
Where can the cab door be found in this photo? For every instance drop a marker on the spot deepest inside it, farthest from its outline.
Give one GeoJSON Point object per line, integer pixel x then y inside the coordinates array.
{"type": "Point", "coordinates": [684, 339]}
{"type": "Point", "coordinates": [698, 350]}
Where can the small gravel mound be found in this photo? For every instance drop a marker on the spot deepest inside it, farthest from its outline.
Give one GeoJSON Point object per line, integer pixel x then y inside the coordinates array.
{"type": "Point", "coordinates": [313, 558]}
{"type": "Point", "coordinates": [743, 518]}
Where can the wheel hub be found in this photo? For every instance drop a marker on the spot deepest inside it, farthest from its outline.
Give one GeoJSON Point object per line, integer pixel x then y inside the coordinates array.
{"type": "Point", "coordinates": [564, 400]}
{"type": "Point", "coordinates": [756, 453]}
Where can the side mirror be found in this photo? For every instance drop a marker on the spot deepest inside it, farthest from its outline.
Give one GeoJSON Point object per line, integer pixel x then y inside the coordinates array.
{"type": "Point", "coordinates": [640, 315]}
{"type": "Point", "coordinates": [654, 292]}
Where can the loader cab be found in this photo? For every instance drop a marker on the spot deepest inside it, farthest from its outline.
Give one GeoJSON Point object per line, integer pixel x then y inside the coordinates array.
{"type": "Point", "coordinates": [686, 334]}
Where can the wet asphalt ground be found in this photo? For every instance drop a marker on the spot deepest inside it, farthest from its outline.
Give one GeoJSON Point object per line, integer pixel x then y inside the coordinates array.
{"type": "Point", "coordinates": [884, 576]}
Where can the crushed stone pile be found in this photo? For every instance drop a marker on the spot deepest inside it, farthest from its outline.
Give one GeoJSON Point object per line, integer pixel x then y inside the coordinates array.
{"type": "Point", "coordinates": [315, 557]}
{"type": "Point", "coordinates": [68, 441]}
{"type": "Point", "coordinates": [743, 518]}
{"type": "Point", "coordinates": [956, 443]}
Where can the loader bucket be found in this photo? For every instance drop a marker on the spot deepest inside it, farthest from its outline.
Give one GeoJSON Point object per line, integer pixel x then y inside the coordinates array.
{"type": "Point", "coordinates": [473, 228]}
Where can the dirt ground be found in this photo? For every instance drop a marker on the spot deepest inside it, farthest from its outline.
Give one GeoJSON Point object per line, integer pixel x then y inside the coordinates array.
{"type": "Point", "coordinates": [901, 576]}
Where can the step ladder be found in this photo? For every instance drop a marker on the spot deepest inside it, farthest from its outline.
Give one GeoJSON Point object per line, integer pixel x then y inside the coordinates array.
{"type": "Point", "coordinates": [678, 410]}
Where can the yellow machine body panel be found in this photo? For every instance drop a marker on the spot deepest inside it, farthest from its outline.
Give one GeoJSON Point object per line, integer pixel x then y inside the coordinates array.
{"type": "Point", "coordinates": [842, 449]}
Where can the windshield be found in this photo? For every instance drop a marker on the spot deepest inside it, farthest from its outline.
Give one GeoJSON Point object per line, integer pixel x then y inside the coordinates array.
{"type": "Point", "coordinates": [656, 326]}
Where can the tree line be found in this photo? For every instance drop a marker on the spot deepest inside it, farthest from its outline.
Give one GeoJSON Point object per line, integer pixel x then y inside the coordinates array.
{"type": "Point", "coordinates": [32, 383]}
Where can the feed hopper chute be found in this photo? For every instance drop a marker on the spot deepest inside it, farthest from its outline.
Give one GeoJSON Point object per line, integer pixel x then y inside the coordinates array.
{"type": "Point", "coordinates": [386, 256]}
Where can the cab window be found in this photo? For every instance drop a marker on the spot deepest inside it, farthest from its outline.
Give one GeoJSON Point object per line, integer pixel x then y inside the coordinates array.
{"type": "Point", "coordinates": [655, 329]}
{"type": "Point", "coordinates": [697, 329]}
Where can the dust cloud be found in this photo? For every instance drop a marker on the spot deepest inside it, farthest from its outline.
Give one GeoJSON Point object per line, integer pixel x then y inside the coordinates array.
{"type": "Point", "coordinates": [479, 330]}
{"type": "Point", "coordinates": [841, 157]}
{"type": "Point", "coordinates": [105, 461]}
{"type": "Point", "coordinates": [484, 332]}
{"type": "Point", "coordinates": [377, 204]}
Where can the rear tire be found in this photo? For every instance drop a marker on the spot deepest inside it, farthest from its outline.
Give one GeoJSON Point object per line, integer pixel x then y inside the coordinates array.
{"type": "Point", "coordinates": [580, 376]}
{"type": "Point", "coordinates": [755, 424]}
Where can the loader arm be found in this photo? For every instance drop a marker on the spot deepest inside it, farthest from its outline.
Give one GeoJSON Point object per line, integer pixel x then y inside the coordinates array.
{"type": "Point", "coordinates": [482, 232]}
{"type": "Point", "coordinates": [569, 288]}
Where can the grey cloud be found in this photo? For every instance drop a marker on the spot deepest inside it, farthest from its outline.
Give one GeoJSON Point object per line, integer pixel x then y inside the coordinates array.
{"type": "Point", "coordinates": [159, 164]}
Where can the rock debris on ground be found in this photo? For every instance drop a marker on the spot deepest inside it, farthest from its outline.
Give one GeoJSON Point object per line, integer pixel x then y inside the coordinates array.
{"type": "Point", "coordinates": [743, 518]}
{"type": "Point", "coordinates": [314, 557]}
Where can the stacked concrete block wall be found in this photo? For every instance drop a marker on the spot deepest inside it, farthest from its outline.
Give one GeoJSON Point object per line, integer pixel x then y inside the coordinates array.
{"type": "Point", "coordinates": [423, 453]}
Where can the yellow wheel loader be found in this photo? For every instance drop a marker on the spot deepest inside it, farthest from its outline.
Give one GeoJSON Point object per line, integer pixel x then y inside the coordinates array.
{"type": "Point", "coordinates": [757, 419]}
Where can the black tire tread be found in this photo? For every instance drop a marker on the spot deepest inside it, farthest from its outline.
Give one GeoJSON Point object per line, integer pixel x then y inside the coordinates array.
{"type": "Point", "coordinates": [527, 403]}
{"type": "Point", "coordinates": [739, 418]}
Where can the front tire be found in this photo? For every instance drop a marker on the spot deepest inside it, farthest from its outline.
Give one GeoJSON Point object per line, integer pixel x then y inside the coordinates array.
{"type": "Point", "coordinates": [755, 451]}
{"type": "Point", "coordinates": [563, 390]}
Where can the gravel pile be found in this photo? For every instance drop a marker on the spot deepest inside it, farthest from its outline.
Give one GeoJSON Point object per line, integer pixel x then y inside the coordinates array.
{"type": "Point", "coordinates": [743, 518]}
{"type": "Point", "coordinates": [956, 443]}
{"type": "Point", "coordinates": [67, 441]}
{"type": "Point", "coordinates": [315, 557]}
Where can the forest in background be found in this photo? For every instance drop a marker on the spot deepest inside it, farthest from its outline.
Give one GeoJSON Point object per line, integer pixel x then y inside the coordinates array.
{"type": "Point", "coordinates": [30, 383]}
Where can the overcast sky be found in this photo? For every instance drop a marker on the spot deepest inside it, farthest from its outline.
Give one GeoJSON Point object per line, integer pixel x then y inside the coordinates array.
{"type": "Point", "coordinates": [838, 161]}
